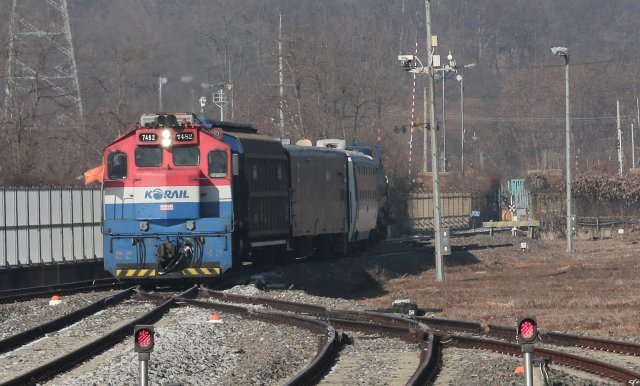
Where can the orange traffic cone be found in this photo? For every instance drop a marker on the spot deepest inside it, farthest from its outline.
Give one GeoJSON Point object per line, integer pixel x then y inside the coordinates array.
{"type": "Point", "coordinates": [55, 300]}
{"type": "Point", "coordinates": [215, 318]}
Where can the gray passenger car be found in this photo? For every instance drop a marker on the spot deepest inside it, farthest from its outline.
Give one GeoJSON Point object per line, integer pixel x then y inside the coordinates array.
{"type": "Point", "coordinates": [319, 198]}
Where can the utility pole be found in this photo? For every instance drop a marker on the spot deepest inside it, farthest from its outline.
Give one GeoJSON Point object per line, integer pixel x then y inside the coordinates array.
{"type": "Point", "coordinates": [637, 111]}
{"type": "Point", "coordinates": [161, 82]}
{"type": "Point", "coordinates": [637, 123]}
{"type": "Point", "coordinates": [434, 150]}
{"type": "Point", "coordinates": [619, 129]}
{"type": "Point", "coordinates": [230, 88]}
{"type": "Point", "coordinates": [444, 126]}
{"type": "Point", "coordinates": [562, 51]}
{"type": "Point", "coordinates": [567, 122]}
{"type": "Point", "coordinates": [461, 80]}
{"type": "Point", "coordinates": [424, 132]}
{"type": "Point", "coordinates": [281, 78]}
{"type": "Point", "coordinates": [633, 149]}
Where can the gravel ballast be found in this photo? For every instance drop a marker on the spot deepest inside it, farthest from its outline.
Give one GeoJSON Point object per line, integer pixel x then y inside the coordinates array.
{"type": "Point", "coordinates": [21, 316]}
{"type": "Point", "coordinates": [191, 350]}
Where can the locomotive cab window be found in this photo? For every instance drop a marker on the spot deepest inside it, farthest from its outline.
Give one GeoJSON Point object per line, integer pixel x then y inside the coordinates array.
{"type": "Point", "coordinates": [117, 166]}
{"type": "Point", "coordinates": [148, 156]}
{"type": "Point", "coordinates": [217, 164]}
{"type": "Point", "coordinates": [186, 155]}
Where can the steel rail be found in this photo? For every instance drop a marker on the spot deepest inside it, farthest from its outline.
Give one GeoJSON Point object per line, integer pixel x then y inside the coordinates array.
{"type": "Point", "coordinates": [430, 358]}
{"type": "Point", "coordinates": [592, 366]}
{"type": "Point", "coordinates": [406, 329]}
{"type": "Point", "coordinates": [24, 337]}
{"type": "Point", "coordinates": [564, 339]}
{"type": "Point", "coordinates": [548, 337]}
{"type": "Point", "coordinates": [585, 364]}
{"type": "Point", "coordinates": [22, 294]}
{"type": "Point", "coordinates": [277, 304]}
{"type": "Point", "coordinates": [323, 360]}
{"type": "Point", "coordinates": [85, 352]}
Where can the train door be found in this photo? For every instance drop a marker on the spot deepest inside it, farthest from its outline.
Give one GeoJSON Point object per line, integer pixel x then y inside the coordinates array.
{"type": "Point", "coordinates": [353, 195]}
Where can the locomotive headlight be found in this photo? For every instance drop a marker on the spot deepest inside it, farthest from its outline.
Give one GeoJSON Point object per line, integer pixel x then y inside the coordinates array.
{"type": "Point", "coordinates": [166, 138]}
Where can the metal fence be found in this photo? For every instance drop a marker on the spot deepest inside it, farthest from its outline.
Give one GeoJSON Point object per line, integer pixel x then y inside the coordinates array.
{"type": "Point", "coordinates": [550, 208]}
{"type": "Point", "coordinates": [40, 226]}
{"type": "Point", "coordinates": [455, 209]}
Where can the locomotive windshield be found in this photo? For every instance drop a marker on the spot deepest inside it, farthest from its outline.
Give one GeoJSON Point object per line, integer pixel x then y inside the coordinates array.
{"type": "Point", "coordinates": [186, 156]}
{"type": "Point", "coordinates": [217, 164]}
{"type": "Point", "coordinates": [147, 156]}
{"type": "Point", "coordinates": [117, 166]}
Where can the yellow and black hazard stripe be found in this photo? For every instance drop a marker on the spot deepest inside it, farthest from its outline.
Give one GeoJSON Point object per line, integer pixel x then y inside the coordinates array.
{"type": "Point", "coordinates": [201, 271]}
{"type": "Point", "coordinates": [151, 273]}
{"type": "Point", "coordinates": [511, 224]}
{"type": "Point", "coordinates": [135, 273]}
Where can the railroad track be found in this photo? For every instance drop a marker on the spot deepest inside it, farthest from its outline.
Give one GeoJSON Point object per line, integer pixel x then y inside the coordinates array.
{"type": "Point", "coordinates": [550, 337]}
{"type": "Point", "coordinates": [336, 328]}
{"type": "Point", "coordinates": [442, 332]}
{"type": "Point", "coordinates": [74, 350]}
{"type": "Point", "coordinates": [327, 324]}
{"type": "Point", "coordinates": [361, 321]}
{"type": "Point", "coordinates": [29, 335]}
{"type": "Point", "coordinates": [445, 327]}
{"type": "Point", "coordinates": [23, 294]}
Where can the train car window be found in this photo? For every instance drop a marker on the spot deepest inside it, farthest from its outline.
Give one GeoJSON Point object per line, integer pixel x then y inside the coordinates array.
{"type": "Point", "coordinates": [117, 166]}
{"type": "Point", "coordinates": [186, 155]}
{"type": "Point", "coordinates": [148, 156]}
{"type": "Point", "coordinates": [217, 164]}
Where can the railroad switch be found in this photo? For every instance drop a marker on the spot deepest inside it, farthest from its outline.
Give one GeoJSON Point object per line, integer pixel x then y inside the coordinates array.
{"type": "Point", "coordinates": [541, 372]}
{"type": "Point", "coordinates": [405, 306]}
{"type": "Point", "coordinates": [343, 338]}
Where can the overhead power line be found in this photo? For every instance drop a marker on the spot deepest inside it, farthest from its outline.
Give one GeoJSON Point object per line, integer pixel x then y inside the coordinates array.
{"type": "Point", "coordinates": [502, 119]}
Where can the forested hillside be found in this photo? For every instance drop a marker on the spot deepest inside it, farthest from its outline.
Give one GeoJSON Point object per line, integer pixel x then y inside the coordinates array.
{"type": "Point", "coordinates": [341, 78]}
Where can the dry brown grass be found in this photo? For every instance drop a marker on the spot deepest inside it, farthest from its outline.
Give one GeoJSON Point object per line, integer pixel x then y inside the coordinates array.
{"type": "Point", "coordinates": [596, 290]}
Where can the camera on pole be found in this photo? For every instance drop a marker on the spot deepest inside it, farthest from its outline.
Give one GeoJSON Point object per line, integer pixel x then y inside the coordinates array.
{"type": "Point", "coordinates": [407, 62]}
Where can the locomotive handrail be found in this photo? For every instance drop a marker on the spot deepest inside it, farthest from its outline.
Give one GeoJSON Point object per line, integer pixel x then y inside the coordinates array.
{"type": "Point", "coordinates": [102, 207]}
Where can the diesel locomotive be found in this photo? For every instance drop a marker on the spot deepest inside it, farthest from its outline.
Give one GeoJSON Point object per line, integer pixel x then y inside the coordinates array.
{"type": "Point", "coordinates": [186, 198]}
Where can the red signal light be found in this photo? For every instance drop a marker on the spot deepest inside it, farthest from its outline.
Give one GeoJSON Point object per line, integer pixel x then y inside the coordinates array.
{"type": "Point", "coordinates": [143, 339]}
{"type": "Point", "coordinates": [527, 330]}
